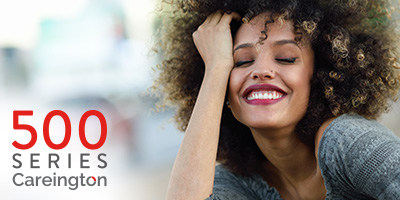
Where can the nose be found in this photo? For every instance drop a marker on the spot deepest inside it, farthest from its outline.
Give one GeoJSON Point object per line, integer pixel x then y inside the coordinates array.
{"type": "Point", "coordinates": [263, 72]}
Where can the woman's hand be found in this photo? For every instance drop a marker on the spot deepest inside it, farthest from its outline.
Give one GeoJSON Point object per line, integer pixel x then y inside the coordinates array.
{"type": "Point", "coordinates": [213, 40]}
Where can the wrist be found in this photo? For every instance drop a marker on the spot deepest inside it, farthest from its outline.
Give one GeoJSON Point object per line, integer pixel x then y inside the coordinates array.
{"type": "Point", "coordinates": [218, 70]}
{"type": "Point", "coordinates": [216, 79]}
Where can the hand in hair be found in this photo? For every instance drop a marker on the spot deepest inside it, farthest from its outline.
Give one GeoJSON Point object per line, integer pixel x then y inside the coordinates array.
{"type": "Point", "coordinates": [213, 40]}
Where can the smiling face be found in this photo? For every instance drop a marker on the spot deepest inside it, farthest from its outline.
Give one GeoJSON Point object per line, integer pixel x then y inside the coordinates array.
{"type": "Point", "coordinates": [269, 86]}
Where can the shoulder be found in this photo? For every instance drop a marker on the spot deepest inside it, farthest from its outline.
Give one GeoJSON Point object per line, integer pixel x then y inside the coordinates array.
{"type": "Point", "coordinates": [359, 154]}
{"type": "Point", "coordinates": [351, 129]}
{"type": "Point", "coordinates": [347, 128]}
{"type": "Point", "coordinates": [352, 134]}
{"type": "Point", "coordinates": [228, 185]}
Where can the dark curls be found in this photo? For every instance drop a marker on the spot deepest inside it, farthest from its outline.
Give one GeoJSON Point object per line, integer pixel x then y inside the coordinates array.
{"type": "Point", "coordinates": [355, 72]}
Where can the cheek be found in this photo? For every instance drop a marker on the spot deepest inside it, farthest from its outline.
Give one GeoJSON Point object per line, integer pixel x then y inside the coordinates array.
{"type": "Point", "coordinates": [302, 83]}
{"type": "Point", "coordinates": [300, 77]}
{"type": "Point", "coordinates": [299, 82]}
{"type": "Point", "coordinates": [234, 85]}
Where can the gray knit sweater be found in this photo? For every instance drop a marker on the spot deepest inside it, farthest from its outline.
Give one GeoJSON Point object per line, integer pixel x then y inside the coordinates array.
{"type": "Point", "coordinates": [359, 159]}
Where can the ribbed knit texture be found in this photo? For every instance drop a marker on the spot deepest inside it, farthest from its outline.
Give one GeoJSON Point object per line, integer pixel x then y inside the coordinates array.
{"type": "Point", "coordinates": [359, 159]}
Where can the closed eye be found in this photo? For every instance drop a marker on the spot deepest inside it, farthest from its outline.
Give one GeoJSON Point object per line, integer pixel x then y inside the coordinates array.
{"type": "Point", "coordinates": [240, 63]}
{"type": "Point", "coordinates": [286, 60]}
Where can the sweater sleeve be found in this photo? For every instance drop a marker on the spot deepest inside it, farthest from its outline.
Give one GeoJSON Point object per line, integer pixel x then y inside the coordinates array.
{"type": "Point", "coordinates": [360, 159]}
{"type": "Point", "coordinates": [229, 186]}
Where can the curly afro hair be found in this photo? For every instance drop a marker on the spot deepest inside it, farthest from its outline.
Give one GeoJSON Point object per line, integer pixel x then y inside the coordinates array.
{"type": "Point", "coordinates": [355, 72]}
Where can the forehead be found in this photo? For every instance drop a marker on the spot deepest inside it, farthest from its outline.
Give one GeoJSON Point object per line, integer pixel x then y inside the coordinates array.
{"type": "Point", "coordinates": [252, 31]}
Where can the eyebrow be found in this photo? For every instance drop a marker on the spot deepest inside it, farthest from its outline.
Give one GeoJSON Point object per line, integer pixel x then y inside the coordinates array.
{"type": "Point", "coordinates": [243, 46]}
{"type": "Point", "coordinates": [277, 43]}
{"type": "Point", "coordinates": [283, 42]}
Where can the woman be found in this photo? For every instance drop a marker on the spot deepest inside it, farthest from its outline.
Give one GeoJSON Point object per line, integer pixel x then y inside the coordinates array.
{"type": "Point", "coordinates": [283, 101]}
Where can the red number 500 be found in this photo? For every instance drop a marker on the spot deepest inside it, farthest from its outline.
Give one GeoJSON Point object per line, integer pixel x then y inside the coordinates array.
{"type": "Point", "coordinates": [67, 121]}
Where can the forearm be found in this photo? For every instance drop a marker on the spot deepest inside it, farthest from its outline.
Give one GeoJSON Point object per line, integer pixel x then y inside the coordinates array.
{"type": "Point", "coordinates": [193, 172]}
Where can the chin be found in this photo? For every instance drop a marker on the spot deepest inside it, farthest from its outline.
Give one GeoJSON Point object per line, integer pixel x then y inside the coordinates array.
{"type": "Point", "coordinates": [264, 123]}
{"type": "Point", "coordinates": [270, 122]}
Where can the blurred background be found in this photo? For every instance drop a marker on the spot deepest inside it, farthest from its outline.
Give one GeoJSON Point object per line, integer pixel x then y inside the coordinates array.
{"type": "Point", "coordinates": [79, 55]}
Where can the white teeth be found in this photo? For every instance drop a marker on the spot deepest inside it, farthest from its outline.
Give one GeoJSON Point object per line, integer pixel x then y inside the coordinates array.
{"type": "Point", "coordinates": [264, 95]}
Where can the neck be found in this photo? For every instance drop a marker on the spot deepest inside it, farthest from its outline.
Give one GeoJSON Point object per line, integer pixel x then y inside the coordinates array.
{"type": "Point", "coordinates": [291, 161]}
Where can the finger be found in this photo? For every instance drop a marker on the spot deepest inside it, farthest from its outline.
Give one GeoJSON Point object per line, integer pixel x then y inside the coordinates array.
{"type": "Point", "coordinates": [215, 17]}
{"type": "Point", "coordinates": [236, 16]}
{"type": "Point", "coordinates": [227, 18]}
{"type": "Point", "coordinates": [208, 19]}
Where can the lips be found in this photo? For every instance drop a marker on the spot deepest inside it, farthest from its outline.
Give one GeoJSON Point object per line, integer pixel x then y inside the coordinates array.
{"type": "Point", "coordinates": [263, 94]}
